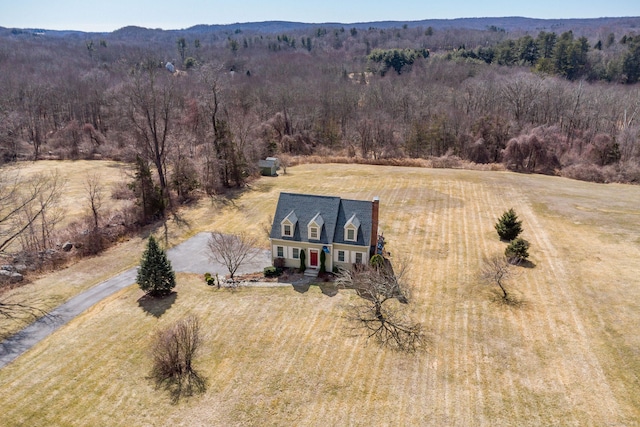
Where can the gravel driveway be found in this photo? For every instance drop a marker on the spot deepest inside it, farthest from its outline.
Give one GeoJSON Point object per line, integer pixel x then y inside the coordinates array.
{"type": "Point", "coordinates": [190, 256]}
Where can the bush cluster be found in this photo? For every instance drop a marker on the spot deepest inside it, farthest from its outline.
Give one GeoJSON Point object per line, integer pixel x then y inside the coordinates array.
{"type": "Point", "coordinates": [272, 271]}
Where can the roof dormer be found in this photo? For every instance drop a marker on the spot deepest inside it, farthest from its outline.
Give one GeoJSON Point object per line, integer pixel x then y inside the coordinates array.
{"type": "Point", "coordinates": [315, 227]}
{"type": "Point", "coordinates": [288, 224]}
{"type": "Point", "coordinates": [351, 229]}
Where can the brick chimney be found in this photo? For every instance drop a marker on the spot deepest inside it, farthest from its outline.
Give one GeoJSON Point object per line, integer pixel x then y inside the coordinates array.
{"type": "Point", "coordinates": [375, 204]}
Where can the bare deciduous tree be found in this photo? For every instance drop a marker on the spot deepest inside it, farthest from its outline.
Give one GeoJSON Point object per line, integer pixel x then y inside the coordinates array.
{"type": "Point", "coordinates": [43, 214]}
{"type": "Point", "coordinates": [173, 351]}
{"type": "Point", "coordinates": [24, 208]}
{"type": "Point", "coordinates": [266, 226]}
{"type": "Point", "coordinates": [225, 147]}
{"type": "Point", "coordinates": [232, 250]}
{"type": "Point", "coordinates": [152, 109]}
{"type": "Point", "coordinates": [285, 161]}
{"type": "Point", "coordinates": [92, 240]}
{"type": "Point", "coordinates": [382, 312]}
{"type": "Point", "coordinates": [94, 193]}
{"type": "Point", "coordinates": [496, 271]}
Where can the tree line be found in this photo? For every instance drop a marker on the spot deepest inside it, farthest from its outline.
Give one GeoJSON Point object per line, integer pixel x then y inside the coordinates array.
{"type": "Point", "coordinates": [204, 126]}
{"type": "Point", "coordinates": [565, 55]}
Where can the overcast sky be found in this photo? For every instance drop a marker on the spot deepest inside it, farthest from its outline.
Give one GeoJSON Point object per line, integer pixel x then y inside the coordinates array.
{"type": "Point", "coordinates": [109, 15]}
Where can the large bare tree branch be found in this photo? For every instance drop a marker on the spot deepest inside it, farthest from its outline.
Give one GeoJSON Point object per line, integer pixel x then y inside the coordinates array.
{"type": "Point", "coordinates": [232, 250]}
{"type": "Point", "coordinates": [382, 311]}
{"type": "Point", "coordinates": [22, 202]}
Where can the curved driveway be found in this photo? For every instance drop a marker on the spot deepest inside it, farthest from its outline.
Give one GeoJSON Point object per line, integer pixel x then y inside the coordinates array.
{"type": "Point", "coordinates": [190, 256]}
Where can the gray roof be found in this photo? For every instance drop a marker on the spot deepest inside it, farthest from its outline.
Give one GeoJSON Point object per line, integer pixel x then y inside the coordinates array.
{"type": "Point", "coordinates": [334, 211]}
{"type": "Point", "coordinates": [266, 163]}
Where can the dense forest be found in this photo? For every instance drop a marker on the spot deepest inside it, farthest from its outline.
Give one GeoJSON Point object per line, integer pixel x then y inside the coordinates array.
{"type": "Point", "coordinates": [201, 106]}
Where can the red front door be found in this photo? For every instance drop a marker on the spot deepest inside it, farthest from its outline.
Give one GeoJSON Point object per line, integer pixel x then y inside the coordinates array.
{"type": "Point", "coordinates": [313, 262]}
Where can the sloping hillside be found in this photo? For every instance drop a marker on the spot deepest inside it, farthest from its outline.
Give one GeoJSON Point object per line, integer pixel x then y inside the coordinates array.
{"type": "Point", "coordinates": [568, 355]}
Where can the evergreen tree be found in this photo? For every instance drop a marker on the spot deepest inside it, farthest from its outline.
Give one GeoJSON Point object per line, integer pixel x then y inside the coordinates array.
{"type": "Point", "coordinates": [517, 251]}
{"type": "Point", "coordinates": [508, 226]}
{"type": "Point", "coordinates": [155, 275]}
{"type": "Point", "coordinates": [303, 264]}
{"type": "Point", "coordinates": [148, 193]}
{"type": "Point", "coordinates": [631, 60]}
{"type": "Point", "coordinates": [323, 259]}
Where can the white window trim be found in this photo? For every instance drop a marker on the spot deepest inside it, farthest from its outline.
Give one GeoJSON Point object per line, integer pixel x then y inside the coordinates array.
{"type": "Point", "coordinates": [355, 234]}
{"type": "Point", "coordinates": [316, 222]}
{"type": "Point", "coordinates": [278, 247]}
{"type": "Point", "coordinates": [290, 220]}
{"type": "Point", "coordinates": [284, 229]}
{"type": "Point", "coordinates": [313, 228]}
{"type": "Point", "coordinates": [353, 223]}
{"type": "Point", "coordinates": [293, 253]}
{"type": "Point", "coordinates": [344, 255]}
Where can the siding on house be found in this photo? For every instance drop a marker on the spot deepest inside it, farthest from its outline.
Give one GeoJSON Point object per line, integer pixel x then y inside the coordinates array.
{"type": "Point", "coordinates": [288, 247]}
{"type": "Point", "coordinates": [335, 213]}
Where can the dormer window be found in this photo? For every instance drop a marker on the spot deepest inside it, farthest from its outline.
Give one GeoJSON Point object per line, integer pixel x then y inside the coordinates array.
{"type": "Point", "coordinates": [315, 227]}
{"type": "Point", "coordinates": [289, 224]}
{"type": "Point", "coordinates": [351, 229]}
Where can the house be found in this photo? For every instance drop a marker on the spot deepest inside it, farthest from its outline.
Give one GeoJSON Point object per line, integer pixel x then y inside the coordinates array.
{"type": "Point", "coordinates": [345, 230]}
{"type": "Point", "coordinates": [269, 166]}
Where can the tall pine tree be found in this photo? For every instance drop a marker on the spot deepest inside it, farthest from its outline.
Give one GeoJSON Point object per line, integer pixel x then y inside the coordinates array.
{"type": "Point", "coordinates": [508, 226]}
{"type": "Point", "coordinates": [155, 275]}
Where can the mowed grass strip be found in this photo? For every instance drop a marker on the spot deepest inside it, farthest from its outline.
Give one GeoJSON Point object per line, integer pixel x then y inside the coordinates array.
{"type": "Point", "coordinates": [569, 354]}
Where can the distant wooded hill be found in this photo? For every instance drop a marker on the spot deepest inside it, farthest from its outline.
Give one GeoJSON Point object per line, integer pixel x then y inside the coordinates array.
{"type": "Point", "coordinates": [510, 24]}
{"type": "Point", "coordinates": [204, 104]}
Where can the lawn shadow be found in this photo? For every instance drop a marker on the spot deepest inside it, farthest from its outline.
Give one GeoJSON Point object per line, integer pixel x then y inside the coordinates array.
{"type": "Point", "coordinates": [264, 187]}
{"type": "Point", "coordinates": [230, 196]}
{"type": "Point", "coordinates": [526, 264]}
{"type": "Point", "coordinates": [157, 306]}
{"type": "Point", "coordinates": [301, 287]}
{"type": "Point", "coordinates": [511, 301]}
{"type": "Point", "coordinates": [329, 289]}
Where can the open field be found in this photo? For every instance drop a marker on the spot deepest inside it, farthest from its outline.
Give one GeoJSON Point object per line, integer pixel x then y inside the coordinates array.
{"type": "Point", "coordinates": [74, 175]}
{"type": "Point", "coordinates": [55, 288]}
{"type": "Point", "coordinates": [568, 355]}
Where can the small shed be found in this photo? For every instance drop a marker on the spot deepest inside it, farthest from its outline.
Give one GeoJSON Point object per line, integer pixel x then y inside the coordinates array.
{"type": "Point", "coordinates": [268, 167]}
{"type": "Point", "coordinates": [275, 159]}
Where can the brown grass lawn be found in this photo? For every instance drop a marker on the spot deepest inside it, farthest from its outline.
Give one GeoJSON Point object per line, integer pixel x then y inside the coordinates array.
{"type": "Point", "coordinates": [569, 354]}
{"type": "Point", "coordinates": [54, 288]}
{"type": "Point", "coordinates": [74, 175]}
